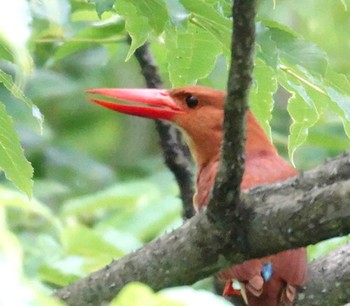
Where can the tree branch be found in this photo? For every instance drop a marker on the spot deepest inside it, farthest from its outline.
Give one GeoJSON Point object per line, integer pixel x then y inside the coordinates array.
{"type": "Point", "coordinates": [329, 280]}
{"type": "Point", "coordinates": [200, 247]}
{"type": "Point", "coordinates": [228, 181]}
{"type": "Point", "coordinates": [176, 153]}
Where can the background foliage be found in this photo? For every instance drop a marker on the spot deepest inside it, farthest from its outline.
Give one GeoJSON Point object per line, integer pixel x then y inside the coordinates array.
{"type": "Point", "coordinates": [100, 187]}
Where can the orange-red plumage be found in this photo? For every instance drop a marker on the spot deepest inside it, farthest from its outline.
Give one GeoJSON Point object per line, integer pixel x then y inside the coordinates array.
{"type": "Point", "coordinates": [198, 111]}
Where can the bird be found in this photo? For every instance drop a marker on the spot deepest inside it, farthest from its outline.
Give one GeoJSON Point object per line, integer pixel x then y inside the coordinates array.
{"type": "Point", "coordinates": [198, 112]}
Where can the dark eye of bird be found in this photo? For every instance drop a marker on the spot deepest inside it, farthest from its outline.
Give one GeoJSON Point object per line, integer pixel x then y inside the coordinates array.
{"type": "Point", "coordinates": [192, 101]}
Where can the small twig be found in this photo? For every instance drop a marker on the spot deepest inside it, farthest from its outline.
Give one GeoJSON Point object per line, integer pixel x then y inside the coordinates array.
{"type": "Point", "coordinates": [176, 153]}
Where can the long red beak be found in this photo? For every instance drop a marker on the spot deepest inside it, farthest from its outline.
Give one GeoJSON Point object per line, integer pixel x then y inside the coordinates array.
{"type": "Point", "coordinates": [158, 103]}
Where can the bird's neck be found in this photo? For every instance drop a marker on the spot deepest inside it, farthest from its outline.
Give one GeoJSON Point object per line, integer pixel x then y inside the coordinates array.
{"type": "Point", "coordinates": [205, 178]}
{"type": "Point", "coordinates": [257, 141]}
{"type": "Point", "coordinates": [257, 145]}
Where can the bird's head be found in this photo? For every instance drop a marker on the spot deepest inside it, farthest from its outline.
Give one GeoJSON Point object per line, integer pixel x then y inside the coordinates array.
{"type": "Point", "coordinates": [197, 111]}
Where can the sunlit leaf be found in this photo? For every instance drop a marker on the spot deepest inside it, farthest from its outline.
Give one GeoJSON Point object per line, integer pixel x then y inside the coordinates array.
{"type": "Point", "coordinates": [15, 15]}
{"type": "Point", "coordinates": [14, 199]}
{"type": "Point", "coordinates": [12, 277]}
{"type": "Point", "coordinates": [266, 48]}
{"type": "Point", "coordinates": [222, 6]}
{"type": "Point", "coordinates": [10, 250]}
{"type": "Point", "coordinates": [123, 196]}
{"type": "Point", "coordinates": [64, 271]}
{"type": "Point", "coordinates": [135, 24]}
{"type": "Point", "coordinates": [137, 294]}
{"type": "Point", "coordinates": [12, 160]}
{"type": "Point", "coordinates": [18, 93]}
{"type": "Point", "coordinates": [296, 50]}
{"type": "Point", "coordinates": [324, 247]}
{"type": "Point", "coordinates": [11, 266]}
{"type": "Point", "coordinates": [55, 12]}
{"type": "Point", "coordinates": [338, 90]}
{"type": "Point", "coordinates": [86, 15]}
{"type": "Point", "coordinates": [147, 221]}
{"type": "Point", "coordinates": [106, 32]}
{"type": "Point", "coordinates": [344, 4]}
{"type": "Point", "coordinates": [155, 11]}
{"type": "Point", "coordinates": [189, 297]}
{"type": "Point", "coordinates": [261, 94]}
{"type": "Point", "coordinates": [329, 137]}
{"type": "Point", "coordinates": [331, 92]}
{"type": "Point", "coordinates": [103, 6]}
{"type": "Point", "coordinates": [123, 241]}
{"type": "Point", "coordinates": [93, 245]}
{"type": "Point", "coordinates": [188, 50]}
{"type": "Point", "coordinates": [303, 113]}
{"type": "Point", "coordinates": [203, 15]}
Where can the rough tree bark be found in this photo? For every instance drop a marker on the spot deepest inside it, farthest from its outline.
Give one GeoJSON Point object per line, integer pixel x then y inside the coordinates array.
{"type": "Point", "coordinates": [228, 181]}
{"type": "Point", "coordinates": [329, 280]}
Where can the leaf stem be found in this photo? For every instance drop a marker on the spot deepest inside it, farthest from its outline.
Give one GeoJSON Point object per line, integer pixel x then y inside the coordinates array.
{"type": "Point", "coordinates": [81, 40]}
{"type": "Point", "coordinates": [291, 72]}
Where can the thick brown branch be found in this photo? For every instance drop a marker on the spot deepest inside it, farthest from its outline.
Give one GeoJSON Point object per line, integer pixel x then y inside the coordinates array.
{"type": "Point", "coordinates": [176, 153]}
{"type": "Point", "coordinates": [200, 248]}
{"type": "Point", "coordinates": [329, 280]}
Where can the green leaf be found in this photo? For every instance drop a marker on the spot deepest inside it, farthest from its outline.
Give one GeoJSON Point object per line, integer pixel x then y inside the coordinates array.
{"type": "Point", "coordinates": [138, 294]}
{"type": "Point", "coordinates": [122, 196]}
{"type": "Point", "coordinates": [106, 32]}
{"type": "Point", "coordinates": [337, 87]}
{"type": "Point", "coordinates": [303, 112]}
{"type": "Point", "coordinates": [134, 294]}
{"type": "Point", "coordinates": [146, 221]}
{"type": "Point", "coordinates": [329, 137]}
{"type": "Point", "coordinates": [12, 160]}
{"type": "Point", "coordinates": [266, 48]}
{"type": "Point", "coordinates": [331, 92]}
{"type": "Point", "coordinates": [135, 24]}
{"type": "Point", "coordinates": [15, 30]}
{"type": "Point", "coordinates": [13, 277]}
{"type": "Point", "coordinates": [190, 296]}
{"type": "Point", "coordinates": [155, 11]}
{"type": "Point", "coordinates": [103, 6]}
{"type": "Point", "coordinates": [344, 4]}
{"type": "Point", "coordinates": [64, 271]}
{"type": "Point", "coordinates": [11, 266]}
{"type": "Point", "coordinates": [18, 93]}
{"type": "Point", "coordinates": [324, 247]}
{"type": "Point", "coordinates": [83, 241]}
{"type": "Point", "coordinates": [191, 55]}
{"type": "Point", "coordinates": [10, 250]}
{"type": "Point", "coordinates": [224, 7]}
{"type": "Point", "coordinates": [261, 94]}
{"type": "Point", "coordinates": [14, 199]}
{"type": "Point", "coordinates": [204, 16]}
{"type": "Point", "coordinates": [123, 241]}
{"type": "Point", "coordinates": [296, 50]}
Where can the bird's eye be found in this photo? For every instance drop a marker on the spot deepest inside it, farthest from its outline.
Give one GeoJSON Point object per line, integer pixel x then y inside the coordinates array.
{"type": "Point", "coordinates": [192, 101]}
